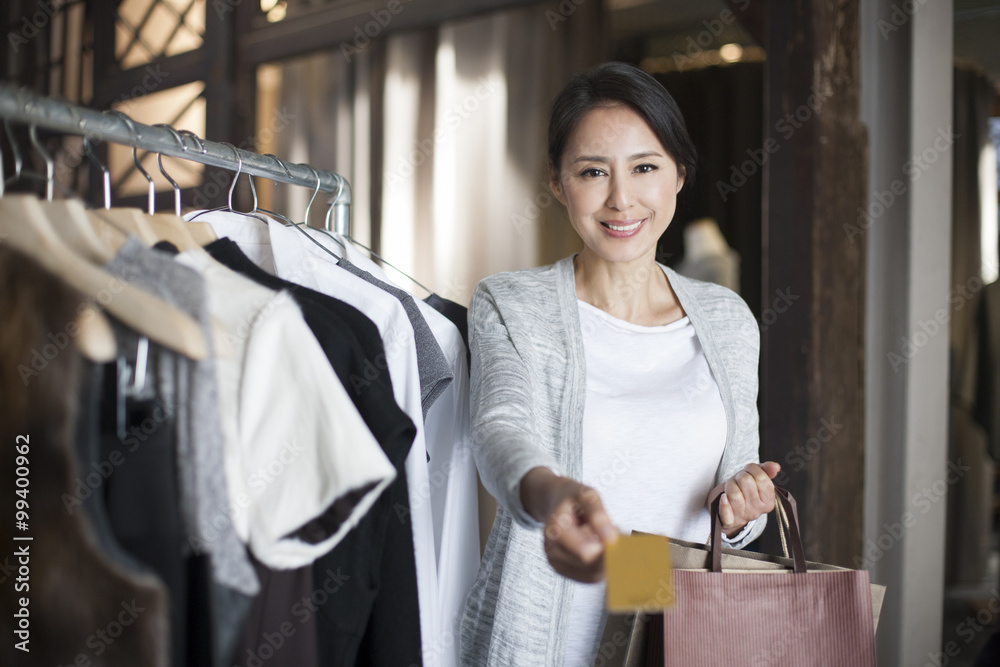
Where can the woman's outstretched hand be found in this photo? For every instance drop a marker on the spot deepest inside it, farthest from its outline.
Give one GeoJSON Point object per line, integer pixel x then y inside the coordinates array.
{"type": "Point", "coordinates": [576, 525]}
{"type": "Point", "coordinates": [746, 495]}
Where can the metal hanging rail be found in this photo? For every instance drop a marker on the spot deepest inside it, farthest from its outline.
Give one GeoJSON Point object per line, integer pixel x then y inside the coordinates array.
{"type": "Point", "coordinates": [23, 106]}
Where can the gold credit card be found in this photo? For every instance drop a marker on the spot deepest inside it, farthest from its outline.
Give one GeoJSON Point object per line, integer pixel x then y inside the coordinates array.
{"type": "Point", "coordinates": [638, 574]}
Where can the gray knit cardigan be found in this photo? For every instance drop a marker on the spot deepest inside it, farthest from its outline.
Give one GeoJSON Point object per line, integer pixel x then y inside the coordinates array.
{"type": "Point", "coordinates": [528, 392]}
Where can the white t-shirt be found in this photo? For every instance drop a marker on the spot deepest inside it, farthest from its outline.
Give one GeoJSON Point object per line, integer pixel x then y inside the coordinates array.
{"type": "Point", "coordinates": [294, 442]}
{"type": "Point", "coordinates": [654, 429]}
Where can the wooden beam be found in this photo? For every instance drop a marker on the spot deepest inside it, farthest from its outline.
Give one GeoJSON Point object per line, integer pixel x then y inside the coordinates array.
{"type": "Point", "coordinates": [338, 25]}
{"type": "Point", "coordinates": [812, 365]}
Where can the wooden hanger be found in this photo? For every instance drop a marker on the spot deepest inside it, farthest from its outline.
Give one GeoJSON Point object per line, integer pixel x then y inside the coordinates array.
{"type": "Point", "coordinates": [95, 339]}
{"type": "Point", "coordinates": [68, 217]}
{"type": "Point", "coordinates": [28, 230]}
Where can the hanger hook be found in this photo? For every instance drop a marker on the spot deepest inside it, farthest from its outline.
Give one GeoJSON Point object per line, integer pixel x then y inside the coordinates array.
{"type": "Point", "coordinates": [135, 159]}
{"type": "Point", "coordinates": [333, 202]}
{"type": "Point", "coordinates": [239, 170]}
{"type": "Point", "coordinates": [88, 148]}
{"type": "Point", "coordinates": [196, 138]}
{"type": "Point", "coordinates": [18, 159]}
{"type": "Point", "coordinates": [49, 162]}
{"type": "Point", "coordinates": [315, 192]}
{"type": "Point", "coordinates": [159, 163]}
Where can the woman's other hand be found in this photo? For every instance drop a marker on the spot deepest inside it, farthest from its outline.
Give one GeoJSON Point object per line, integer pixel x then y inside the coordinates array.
{"type": "Point", "coordinates": [746, 495]}
{"type": "Point", "coordinates": [576, 525]}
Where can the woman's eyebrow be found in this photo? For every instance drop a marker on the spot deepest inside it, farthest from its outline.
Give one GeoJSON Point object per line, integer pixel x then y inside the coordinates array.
{"type": "Point", "coordinates": [601, 158]}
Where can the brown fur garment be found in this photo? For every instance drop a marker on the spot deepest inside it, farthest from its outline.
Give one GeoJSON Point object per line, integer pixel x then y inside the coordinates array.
{"type": "Point", "coordinates": [78, 599]}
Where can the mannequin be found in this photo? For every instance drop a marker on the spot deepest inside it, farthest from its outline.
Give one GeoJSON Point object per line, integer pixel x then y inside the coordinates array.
{"type": "Point", "coordinates": [708, 257]}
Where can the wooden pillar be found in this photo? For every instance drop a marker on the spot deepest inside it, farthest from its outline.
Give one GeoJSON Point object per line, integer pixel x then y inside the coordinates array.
{"type": "Point", "coordinates": [812, 364]}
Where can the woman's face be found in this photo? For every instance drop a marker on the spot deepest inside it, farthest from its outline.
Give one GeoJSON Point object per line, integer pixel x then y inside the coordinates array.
{"type": "Point", "coordinates": [618, 184]}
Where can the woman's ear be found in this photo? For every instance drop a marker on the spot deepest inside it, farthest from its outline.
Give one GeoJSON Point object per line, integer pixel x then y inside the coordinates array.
{"type": "Point", "coordinates": [681, 177]}
{"type": "Point", "coordinates": [555, 184]}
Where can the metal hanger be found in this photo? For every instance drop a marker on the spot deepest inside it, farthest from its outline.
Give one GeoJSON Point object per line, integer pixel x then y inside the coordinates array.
{"type": "Point", "coordinates": [159, 163]}
{"type": "Point", "coordinates": [88, 148]}
{"type": "Point", "coordinates": [50, 163]}
{"type": "Point", "coordinates": [280, 217]}
{"type": "Point", "coordinates": [151, 194]}
{"type": "Point", "coordinates": [298, 225]}
{"type": "Point", "coordinates": [18, 161]}
{"type": "Point", "coordinates": [200, 233]}
{"type": "Point", "coordinates": [326, 231]}
{"type": "Point", "coordinates": [232, 187]}
{"type": "Point", "coordinates": [334, 238]}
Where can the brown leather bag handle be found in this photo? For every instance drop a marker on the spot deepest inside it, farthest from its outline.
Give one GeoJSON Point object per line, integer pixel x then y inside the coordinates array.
{"type": "Point", "coordinates": [781, 495]}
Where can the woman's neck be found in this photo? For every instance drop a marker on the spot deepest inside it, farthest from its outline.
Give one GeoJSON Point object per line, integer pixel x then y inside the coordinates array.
{"type": "Point", "coordinates": [636, 291]}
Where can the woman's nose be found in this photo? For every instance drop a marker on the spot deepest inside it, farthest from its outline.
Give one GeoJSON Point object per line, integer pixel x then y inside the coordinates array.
{"type": "Point", "coordinates": [620, 194]}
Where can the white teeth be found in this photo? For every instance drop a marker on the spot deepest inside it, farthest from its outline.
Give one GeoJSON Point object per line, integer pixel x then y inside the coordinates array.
{"type": "Point", "coordinates": [626, 228]}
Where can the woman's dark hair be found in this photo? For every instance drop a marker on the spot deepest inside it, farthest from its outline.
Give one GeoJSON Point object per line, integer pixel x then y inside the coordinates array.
{"type": "Point", "coordinates": [614, 83]}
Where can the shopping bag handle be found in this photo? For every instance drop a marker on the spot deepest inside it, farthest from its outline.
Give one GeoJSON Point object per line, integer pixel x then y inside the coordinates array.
{"type": "Point", "coordinates": [781, 496]}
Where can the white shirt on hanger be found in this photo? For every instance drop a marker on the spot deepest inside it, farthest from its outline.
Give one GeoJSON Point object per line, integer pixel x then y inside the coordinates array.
{"type": "Point", "coordinates": [297, 259]}
{"type": "Point", "coordinates": [279, 400]}
{"type": "Point", "coordinates": [453, 492]}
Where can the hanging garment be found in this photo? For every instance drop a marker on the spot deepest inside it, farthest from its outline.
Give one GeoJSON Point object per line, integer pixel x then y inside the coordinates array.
{"type": "Point", "coordinates": [76, 586]}
{"type": "Point", "coordinates": [275, 630]}
{"type": "Point", "coordinates": [298, 260]}
{"type": "Point", "coordinates": [378, 601]}
{"type": "Point", "coordinates": [186, 391]}
{"type": "Point", "coordinates": [192, 386]}
{"type": "Point", "coordinates": [302, 467]}
{"type": "Point", "coordinates": [457, 313]}
{"type": "Point", "coordinates": [433, 368]}
{"type": "Point", "coordinates": [452, 493]}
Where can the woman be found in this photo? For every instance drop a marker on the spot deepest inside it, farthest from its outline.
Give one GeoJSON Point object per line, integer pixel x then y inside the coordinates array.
{"type": "Point", "coordinates": [610, 368]}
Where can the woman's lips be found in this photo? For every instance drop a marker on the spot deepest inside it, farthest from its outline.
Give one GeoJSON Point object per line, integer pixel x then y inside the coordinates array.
{"type": "Point", "coordinates": [621, 229]}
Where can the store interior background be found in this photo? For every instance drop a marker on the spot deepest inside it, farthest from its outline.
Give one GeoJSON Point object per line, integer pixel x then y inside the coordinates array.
{"type": "Point", "coordinates": [435, 111]}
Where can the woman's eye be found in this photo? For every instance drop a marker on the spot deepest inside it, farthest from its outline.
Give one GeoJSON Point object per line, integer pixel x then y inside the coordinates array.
{"type": "Point", "coordinates": [591, 173]}
{"type": "Point", "coordinates": [646, 168]}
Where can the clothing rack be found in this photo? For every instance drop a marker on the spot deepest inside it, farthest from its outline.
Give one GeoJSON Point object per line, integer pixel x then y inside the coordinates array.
{"type": "Point", "coordinates": [29, 108]}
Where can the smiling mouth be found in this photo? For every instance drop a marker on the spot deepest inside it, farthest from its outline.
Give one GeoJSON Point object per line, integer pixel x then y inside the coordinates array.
{"type": "Point", "coordinates": [623, 228]}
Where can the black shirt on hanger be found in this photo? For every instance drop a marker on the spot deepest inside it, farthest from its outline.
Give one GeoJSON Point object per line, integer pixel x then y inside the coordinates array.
{"type": "Point", "coordinates": [371, 615]}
